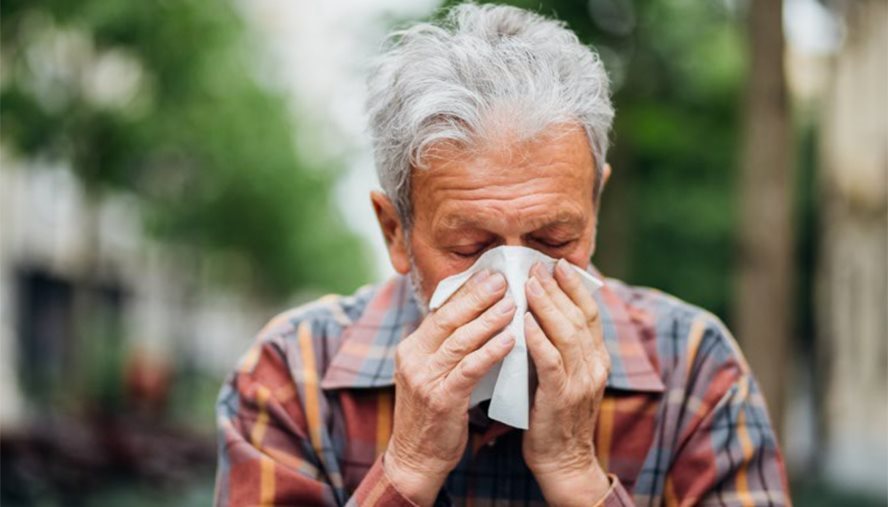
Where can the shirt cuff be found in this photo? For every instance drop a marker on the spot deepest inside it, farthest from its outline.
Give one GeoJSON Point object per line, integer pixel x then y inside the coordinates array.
{"type": "Point", "coordinates": [616, 496]}
{"type": "Point", "coordinates": [376, 489]}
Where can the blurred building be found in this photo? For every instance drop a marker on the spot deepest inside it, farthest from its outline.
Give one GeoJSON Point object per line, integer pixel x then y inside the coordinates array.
{"type": "Point", "coordinates": [151, 315]}
{"type": "Point", "coordinates": [838, 70]}
{"type": "Point", "coordinates": [852, 307]}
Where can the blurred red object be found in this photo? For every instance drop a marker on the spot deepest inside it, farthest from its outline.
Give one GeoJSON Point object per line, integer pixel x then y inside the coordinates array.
{"type": "Point", "coordinates": [148, 380]}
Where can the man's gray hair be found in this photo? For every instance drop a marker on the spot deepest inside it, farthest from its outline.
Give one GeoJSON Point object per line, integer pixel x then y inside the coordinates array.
{"type": "Point", "coordinates": [481, 71]}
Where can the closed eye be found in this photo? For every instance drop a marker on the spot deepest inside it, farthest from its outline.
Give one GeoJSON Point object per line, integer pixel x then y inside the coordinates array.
{"type": "Point", "coordinates": [555, 244]}
{"type": "Point", "coordinates": [469, 251]}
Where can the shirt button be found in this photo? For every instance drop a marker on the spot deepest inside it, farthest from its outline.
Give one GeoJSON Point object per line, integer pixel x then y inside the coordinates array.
{"type": "Point", "coordinates": [491, 443]}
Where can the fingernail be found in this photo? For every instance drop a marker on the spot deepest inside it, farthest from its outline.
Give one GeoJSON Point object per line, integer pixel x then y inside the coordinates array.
{"type": "Point", "coordinates": [506, 339]}
{"type": "Point", "coordinates": [494, 283]}
{"type": "Point", "coordinates": [533, 285]}
{"type": "Point", "coordinates": [506, 305]}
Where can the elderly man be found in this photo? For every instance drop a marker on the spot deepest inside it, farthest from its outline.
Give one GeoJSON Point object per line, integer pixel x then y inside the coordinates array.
{"type": "Point", "coordinates": [491, 129]}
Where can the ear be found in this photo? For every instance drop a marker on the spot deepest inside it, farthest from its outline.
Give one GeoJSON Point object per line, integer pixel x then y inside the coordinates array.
{"type": "Point", "coordinates": [605, 174]}
{"type": "Point", "coordinates": [392, 230]}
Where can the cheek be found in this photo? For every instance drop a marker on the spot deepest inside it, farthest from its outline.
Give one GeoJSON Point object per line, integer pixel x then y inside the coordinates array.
{"type": "Point", "coordinates": [433, 265]}
{"type": "Point", "coordinates": [578, 258]}
{"type": "Point", "coordinates": [582, 254]}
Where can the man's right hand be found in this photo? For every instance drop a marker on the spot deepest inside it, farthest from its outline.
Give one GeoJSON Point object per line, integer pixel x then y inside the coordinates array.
{"type": "Point", "coordinates": [436, 369]}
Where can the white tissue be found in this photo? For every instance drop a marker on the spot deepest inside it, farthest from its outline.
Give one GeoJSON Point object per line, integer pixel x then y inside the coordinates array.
{"type": "Point", "coordinates": [506, 385]}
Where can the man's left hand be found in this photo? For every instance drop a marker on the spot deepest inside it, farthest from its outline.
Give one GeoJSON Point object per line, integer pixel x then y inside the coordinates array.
{"type": "Point", "coordinates": [564, 337]}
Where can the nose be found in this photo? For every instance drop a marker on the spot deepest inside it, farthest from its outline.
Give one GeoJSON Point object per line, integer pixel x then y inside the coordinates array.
{"type": "Point", "coordinates": [516, 241]}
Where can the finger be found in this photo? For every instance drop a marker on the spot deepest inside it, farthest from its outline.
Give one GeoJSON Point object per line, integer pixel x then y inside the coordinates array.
{"type": "Point", "coordinates": [570, 282]}
{"type": "Point", "coordinates": [558, 329]}
{"type": "Point", "coordinates": [546, 358]}
{"type": "Point", "coordinates": [472, 283]}
{"type": "Point", "coordinates": [468, 372]}
{"type": "Point", "coordinates": [474, 334]}
{"type": "Point", "coordinates": [569, 309]}
{"type": "Point", "coordinates": [562, 301]}
{"type": "Point", "coordinates": [484, 289]}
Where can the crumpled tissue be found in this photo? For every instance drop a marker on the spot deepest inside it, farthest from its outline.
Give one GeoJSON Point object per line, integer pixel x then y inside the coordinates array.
{"type": "Point", "coordinates": [507, 384]}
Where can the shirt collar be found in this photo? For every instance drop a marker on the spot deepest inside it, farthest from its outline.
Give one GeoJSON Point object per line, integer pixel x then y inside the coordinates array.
{"type": "Point", "coordinates": [366, 356]}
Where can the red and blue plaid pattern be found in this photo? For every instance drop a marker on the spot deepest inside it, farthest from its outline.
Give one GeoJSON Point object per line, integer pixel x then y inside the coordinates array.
{"type": "Point", "coordinates": [307, 414]}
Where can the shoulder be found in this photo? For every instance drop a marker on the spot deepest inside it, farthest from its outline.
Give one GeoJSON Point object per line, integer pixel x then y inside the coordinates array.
{"type": "Point", "coordinates": [297, 344]}
{"type": "Point", "coordinates": [686, 340]}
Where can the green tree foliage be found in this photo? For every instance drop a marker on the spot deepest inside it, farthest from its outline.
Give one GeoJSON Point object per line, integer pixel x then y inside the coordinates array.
{"type": "Point", "coordinates": [160, 99]}
{"type": "Point", "coordinates": [676, 69]}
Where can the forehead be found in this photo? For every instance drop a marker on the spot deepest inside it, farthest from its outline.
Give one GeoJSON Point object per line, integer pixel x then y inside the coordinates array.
{"type": "Point", "coordinates": [546, 179]}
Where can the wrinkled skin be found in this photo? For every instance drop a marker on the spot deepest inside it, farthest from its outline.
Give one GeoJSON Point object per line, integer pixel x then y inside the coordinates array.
{"type": "Point", "coordinates": [535, 193]}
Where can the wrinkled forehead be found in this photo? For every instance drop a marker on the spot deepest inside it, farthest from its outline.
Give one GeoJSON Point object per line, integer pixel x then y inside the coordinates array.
{"type": "Point", "coordinates": [546, 179]}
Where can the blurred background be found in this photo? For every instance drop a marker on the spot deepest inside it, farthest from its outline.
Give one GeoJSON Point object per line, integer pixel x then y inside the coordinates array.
{"type": "Point", "coordinates": [174, 173]}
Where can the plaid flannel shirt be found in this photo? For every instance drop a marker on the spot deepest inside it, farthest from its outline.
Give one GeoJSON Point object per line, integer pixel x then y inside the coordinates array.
{"type": "Point", "coordinates": [307, 414]}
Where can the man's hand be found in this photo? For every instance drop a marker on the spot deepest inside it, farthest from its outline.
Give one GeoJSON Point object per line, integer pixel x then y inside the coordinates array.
{"type": "Point", "coordinates": [436, 369]}
{"type": "Point", "coordinates": [572, 364]}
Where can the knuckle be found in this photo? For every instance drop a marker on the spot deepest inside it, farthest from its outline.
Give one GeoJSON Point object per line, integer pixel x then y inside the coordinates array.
{"type": "Point", "coordinates": [547, 304]}
{"type": "Point", "coordinates": [571, 280]}
{"type": "Point", "coordinates": [606, 368]}
{"type": "Point", "coordinates": [467, 370]}
{"type": "Point", "coordinates": [442, 321]}
{"type": "Point", "coordinates": [492, 319]}
{"type": "Point", "coordinates": [577, 316]}
{"type": "Point", "coordinates": [489, 355]}
{"type": "Point", "coordinates": [457, 345]}
{"type": "Point", "coordinates": [540, 304]}
{"type": "Point", "coordinates": [576, 397]}
{"type": "Point", "coordinates": [473, 284]}
{"type": "Point", "coordinates": [425, 396]}
{"type": "Point", "coordinates": [598, 375]}
{"type": "Point", "coordinates": [592, 314]}
{"type": "Point", "coordinates": [401, 355]}
{"type": "Point", "coordinates": [476, 297]}
{"type": "Point", "coordinates": [578, 324]}
{"type": "Point", "coordinates": [461, 292]}
{"type": "Point", "coordinates": [403, 367]}
{"type": "Point", "coordinates": [436, 404]}
{"type": "Point", "coordinates": [474, 365]}
{"type": "Point", "coordinates": [401, 380]}
{"type": "Point", "coordinates": [552, 366]}
{"type": "Point", "coordinates": [407, 381]}
{"type": "Point", "coordinates": [548, 370]}
{"type": "Point", "coordinates": [547, 281]}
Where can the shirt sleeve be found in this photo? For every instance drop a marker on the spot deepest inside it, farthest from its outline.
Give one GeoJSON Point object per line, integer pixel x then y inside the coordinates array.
{"type": "Point", "coordinates": [266, 455]}
{"type": "Point", "coordinates": [726, 451]}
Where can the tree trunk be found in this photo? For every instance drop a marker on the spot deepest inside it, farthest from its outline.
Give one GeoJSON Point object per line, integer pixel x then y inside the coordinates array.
{"type": "Point", "coordinates": [762, 309]}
